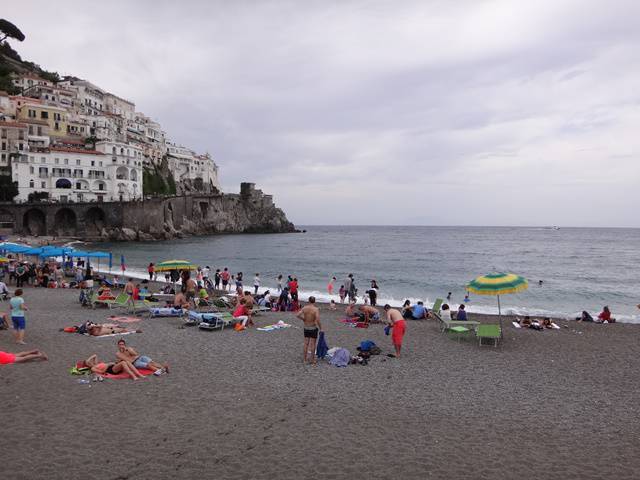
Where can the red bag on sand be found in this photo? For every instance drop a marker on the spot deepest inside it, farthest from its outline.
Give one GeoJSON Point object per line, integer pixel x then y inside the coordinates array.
{"type": "Point", "coordinates": [70, 329]}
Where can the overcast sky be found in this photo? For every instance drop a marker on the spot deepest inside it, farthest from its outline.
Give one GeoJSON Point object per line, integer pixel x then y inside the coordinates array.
{"type": "Point", "coordinates": [428, 112]}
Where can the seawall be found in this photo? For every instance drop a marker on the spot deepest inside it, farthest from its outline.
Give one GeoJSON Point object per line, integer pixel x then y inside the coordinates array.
{"type": "Point", "coordinates": [160, 218]}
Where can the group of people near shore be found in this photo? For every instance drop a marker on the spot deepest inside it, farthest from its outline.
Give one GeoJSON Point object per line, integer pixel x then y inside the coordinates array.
{"type": "Point", "coordinates": [195, 289]}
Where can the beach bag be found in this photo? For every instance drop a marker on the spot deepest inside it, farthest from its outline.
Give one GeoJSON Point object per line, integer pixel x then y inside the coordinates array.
{"type": "Point", "coordinates": [366, 345]}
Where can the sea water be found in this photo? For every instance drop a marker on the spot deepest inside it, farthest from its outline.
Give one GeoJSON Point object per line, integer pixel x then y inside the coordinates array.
{"type": "Point", "coordinates": [580, 268]}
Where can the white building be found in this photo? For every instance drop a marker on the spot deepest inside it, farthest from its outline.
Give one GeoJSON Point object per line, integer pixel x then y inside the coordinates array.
{"type": "Point", "coordinates": [25, 82]}
{"type": "Point", "coordinates": [77, 175]}
{"type": "Point", "coordinates": [119, 106]}
{"type": "Point", "coordinates": [90, 98]}
{"type": "Point", "coordinates": [199, 170]}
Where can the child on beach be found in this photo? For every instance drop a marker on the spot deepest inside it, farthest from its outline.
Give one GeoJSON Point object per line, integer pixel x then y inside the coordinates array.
{"type": "Point", "coordinates": [17, 316]}
{"type": "Point", "coordinates": [332, 305]}
{"type": "Point", "coordinates": [343, 293]}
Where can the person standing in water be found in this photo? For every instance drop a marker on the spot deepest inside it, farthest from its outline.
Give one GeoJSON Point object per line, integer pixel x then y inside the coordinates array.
{"type": "Point", "coordinates": [310, 316]}
{"type": "Point", "coordinates": [256, 283]}
{"type": "Point", "coordinates": [330, 285]}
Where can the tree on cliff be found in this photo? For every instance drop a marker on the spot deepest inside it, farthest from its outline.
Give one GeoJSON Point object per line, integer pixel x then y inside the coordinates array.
{"type": "Point", "coordinates": [9, 30]}
{"type": "Point", "coordinates": [8, 188]}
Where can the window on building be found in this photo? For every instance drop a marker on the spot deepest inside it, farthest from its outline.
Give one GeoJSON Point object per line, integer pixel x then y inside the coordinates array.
{"type": "Point", "coordinates": [57, 161]}
{"type": "Point", "coordinates": [93, 163]}
{"type": "Point", "coordinates": [44, 115]}
{"type": "Point", "coordinates": [77, 161]}
{"type": "Point", "coordinates": [31, 171]}
{"type": "Point", "coordinates": [66, 161]}
{"type": "Point", "coordinates": [32, 114]}
{"type": "Point", "coordinates": [31, 183]}
{"type": "Point", "coordinates": [43, 160]}
{"type": "Point", "coordinates": [56, 126]}
{"type": "Point", "coordinates": [78, 186]}
{"type": "Point", "coordinates": [100, 163]}
{"type": "Point", "coordinates": [4, 145]}
{"type": "Point", "coordinates": [43, 184]}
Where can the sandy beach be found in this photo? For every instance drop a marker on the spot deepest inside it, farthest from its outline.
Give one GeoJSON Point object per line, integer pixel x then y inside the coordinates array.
{"type": "Point", "coordinates": [240, 405]}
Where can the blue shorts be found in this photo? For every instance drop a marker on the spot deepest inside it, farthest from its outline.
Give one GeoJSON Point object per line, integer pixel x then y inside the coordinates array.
{"type": "Point", "coordinates": [142, 362]}
{"type": "Point", "coordinates": [18, 323]}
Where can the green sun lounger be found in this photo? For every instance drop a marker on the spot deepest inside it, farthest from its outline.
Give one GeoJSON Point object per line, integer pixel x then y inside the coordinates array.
{"type": "Point", "coordinates": [449, 324]}
{"type": "Point", "coordinates": [436, 306]}
{"type": "Point", "coordinates": [491, 332]}
{"type": "Point", "coordinates": [93, 298]}
{"type": "Point", "coordinates": [123, 301]}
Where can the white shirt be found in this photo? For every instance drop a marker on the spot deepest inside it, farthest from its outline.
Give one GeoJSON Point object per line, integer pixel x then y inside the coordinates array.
{"type": "Point", "coordinates": [445, 314]}
{"type": "Point", "coordinates": [256, 281]}
{"type": "Point", "coordinates": [3, 288]}
{"type": "Point", "coordinates": [205, 272]}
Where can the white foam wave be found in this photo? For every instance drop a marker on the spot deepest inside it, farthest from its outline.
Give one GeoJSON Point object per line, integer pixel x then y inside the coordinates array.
{"type": "Point", "coordinates": [324, 297]}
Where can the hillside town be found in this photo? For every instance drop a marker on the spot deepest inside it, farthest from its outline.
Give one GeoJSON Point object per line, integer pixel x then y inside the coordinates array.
{"type": "Point", "coordinates": [72, 141]}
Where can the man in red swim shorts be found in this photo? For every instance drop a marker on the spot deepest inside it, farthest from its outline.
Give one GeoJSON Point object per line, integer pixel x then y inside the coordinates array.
{"type": "Point", "coordinates": [7, 358]}
{"type": "Point", "coordinates": [399, 326]}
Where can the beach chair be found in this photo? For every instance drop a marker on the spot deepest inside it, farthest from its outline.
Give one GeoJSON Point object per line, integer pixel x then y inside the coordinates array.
{"type": "Point", "coordinates": [123, 301]}
{"type": "Point", "coordinates": [436, 306]}
{"type": "Point", "coordinates": [449, 324]}
{"type": "Point", "coordinates": [212, 321]}
{"type": "Point", "coordinates": [491, 332]}
{"type": "Point", "coordinates": [108, 302]}
{"type": "Point", "coordinates": [459, 332]}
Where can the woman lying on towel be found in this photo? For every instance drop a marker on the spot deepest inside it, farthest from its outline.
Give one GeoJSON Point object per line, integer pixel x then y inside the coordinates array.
{"type": "Point", "coordinates": [114, 368]}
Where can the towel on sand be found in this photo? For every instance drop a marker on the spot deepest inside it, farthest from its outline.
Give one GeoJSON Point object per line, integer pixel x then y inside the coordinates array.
{"type": "Point", "coordinates": [278, 326]}
{"type": "Point", "coordinates": [121, 375]}
{"type": "Point", "coordinates": [110, 335]}
{"type": "Point", "coordinates": [117, 319]}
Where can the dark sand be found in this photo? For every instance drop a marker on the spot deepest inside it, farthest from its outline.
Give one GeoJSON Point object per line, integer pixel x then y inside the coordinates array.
{"type": "Point", "coordinates": [553, 404]}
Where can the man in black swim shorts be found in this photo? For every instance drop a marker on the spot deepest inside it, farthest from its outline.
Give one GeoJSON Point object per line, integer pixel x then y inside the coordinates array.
{"type": "Point", "coordinates": [310, 316]}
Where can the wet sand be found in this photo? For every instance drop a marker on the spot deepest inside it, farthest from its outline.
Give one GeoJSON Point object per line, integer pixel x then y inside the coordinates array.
{"type": "Point", "coordinates": [553, 404]}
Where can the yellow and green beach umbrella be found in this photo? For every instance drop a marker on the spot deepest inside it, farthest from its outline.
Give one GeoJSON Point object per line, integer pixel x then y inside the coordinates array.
{"type": "Point", "coordinates": [498, 284]}
{"type": "Point", "coordinates": [174, 265]}
{"type": "Point", "coordinates": [4, 260]}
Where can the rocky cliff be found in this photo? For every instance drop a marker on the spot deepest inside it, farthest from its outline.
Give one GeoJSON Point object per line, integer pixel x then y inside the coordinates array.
{"type": "Point", "coordinates": [159, 218]}
{"type": "Point", "coordinates": [175, 217]}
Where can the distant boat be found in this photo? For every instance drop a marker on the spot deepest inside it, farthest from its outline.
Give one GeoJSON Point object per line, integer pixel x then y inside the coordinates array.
{"type": "Point", "coordinates": [555, 227]}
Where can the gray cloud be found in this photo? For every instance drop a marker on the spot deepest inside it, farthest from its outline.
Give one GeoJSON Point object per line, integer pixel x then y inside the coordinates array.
{"type": "Point", "coordinates": [380, 112]}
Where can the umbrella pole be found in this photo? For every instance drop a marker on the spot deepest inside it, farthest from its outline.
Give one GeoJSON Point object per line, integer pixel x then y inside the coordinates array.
{"type": "Point", "coordinates": [500, 316]}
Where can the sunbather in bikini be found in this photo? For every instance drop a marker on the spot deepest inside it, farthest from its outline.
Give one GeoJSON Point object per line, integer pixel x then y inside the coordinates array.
{"type": "Point", "coordinates": [114, 368]}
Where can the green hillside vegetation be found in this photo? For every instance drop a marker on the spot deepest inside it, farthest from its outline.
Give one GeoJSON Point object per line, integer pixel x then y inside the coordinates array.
{"type": "Point", "coordinates": [158, 180]}
{"type": "Point", "coordinates": [12, 63]}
